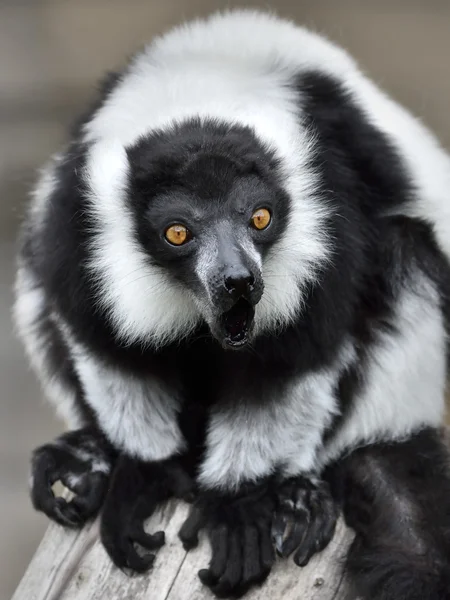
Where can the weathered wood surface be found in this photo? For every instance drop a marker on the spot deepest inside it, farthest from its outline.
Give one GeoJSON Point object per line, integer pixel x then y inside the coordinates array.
{"type": "Point", "coordinates": [72, 565]}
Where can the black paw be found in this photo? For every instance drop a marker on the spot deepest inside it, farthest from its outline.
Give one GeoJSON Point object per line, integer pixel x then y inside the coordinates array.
{"type": "Point", "coordinates": [238, 527]}
{"type": "Point", "coordinates": [305, 519]}
{"type": "Point", "coordinates": [81, 460]}
{"type": "Point", "coordinates": [135, 492]}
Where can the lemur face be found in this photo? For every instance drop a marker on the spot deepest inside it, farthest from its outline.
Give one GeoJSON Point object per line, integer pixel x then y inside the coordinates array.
{"type": "Point", "coordinates": [207, 212]}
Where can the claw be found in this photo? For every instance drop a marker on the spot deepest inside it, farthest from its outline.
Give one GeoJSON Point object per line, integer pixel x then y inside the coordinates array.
{"type": "Point", "coordinates": [279, 527]}
{"type": "Point", "coordinates": [288, 540]}
{"type": "Point", "coordinates": [305, 520]}
{"type": "Point", "coordinates": [278, 541]}
{"type": "Point", "coordinates": [288, 530]}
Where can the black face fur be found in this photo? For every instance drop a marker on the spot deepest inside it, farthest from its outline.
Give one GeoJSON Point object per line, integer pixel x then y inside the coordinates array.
{"type": "Point", "coordinates": [211, 180]}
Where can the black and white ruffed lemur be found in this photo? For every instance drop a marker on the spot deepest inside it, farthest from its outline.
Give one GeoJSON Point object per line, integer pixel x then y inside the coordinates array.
{"type": "Point", "coordinates": [233, 283]}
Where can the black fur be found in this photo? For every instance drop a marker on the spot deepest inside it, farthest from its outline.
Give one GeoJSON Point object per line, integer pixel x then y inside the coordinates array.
{"type": "Point", "coordinates": [239, 529]}
{"type": "Point", "coordinates": [305, 518]}
{"type": "Point", "coordinates": [364, 173]}
{"type": "Point", "coordinates": [135, 491]}
{"type": "Point", "coordinates": [374, 257]}
{"type": "Point", "coordinates": [396, 498]}
{"type": "Point", "coordinates": [81, 460]}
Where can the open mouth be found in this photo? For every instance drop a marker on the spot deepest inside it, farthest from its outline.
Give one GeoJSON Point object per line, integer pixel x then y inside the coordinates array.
{"type": "Point", "coordinates": [237, 323]}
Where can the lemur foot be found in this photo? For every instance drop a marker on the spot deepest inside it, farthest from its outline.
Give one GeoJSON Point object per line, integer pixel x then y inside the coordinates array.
{"type": "Point", "coordinates": [136, 490]}
{"type": "Point", "coordinates": [305, 519]}
{"type": "Point", "coordinates": [81, 460]}
{"type": "Point", "coordinates": [239, 531]}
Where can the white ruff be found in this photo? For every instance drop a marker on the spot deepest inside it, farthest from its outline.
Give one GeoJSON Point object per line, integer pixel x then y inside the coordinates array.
{"type": "Point", "coordinates": [405, 382]}
{"type": "Point", "coordinates": [28, 311]}
{"type": "Point", "coordinates": [246, 442]}
{"type": "Point", "coordinates": [237, 67]}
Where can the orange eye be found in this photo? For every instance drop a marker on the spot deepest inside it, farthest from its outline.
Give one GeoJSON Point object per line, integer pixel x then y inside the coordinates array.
{"type": "Point", "coordinates": [261, 219]}
{"type": "Point", "coordinates": [177, 234]}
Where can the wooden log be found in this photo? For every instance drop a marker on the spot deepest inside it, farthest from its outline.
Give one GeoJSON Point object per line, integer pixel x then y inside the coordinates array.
{"type": "Point", "coordinates": [72, 565]}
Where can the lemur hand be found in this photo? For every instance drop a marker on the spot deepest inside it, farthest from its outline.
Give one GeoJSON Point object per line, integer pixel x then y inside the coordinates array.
{"type": "Point", "coordinates": [305, 518]}
{"type": "Point", "coordinates": [238, 527]}
{"type": "Point", "coordinates": [136, 490]}
{"type": "Point", "coordinates": [82, 461]}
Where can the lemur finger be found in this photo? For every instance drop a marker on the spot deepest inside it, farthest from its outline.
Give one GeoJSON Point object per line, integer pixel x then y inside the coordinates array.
{"type": "Point", "coordinates": [219, 555]}
{"type": "Point", "coordinates": [328, 527]}
{"type": "Point", "coordinates": [309, 544]}
{"type": "Point", "coordinates": [324, 510]}
{"type": "Point", "coordinates": [66, 514]}
{"type": "Point", "coordinates": [125, 556]}
{"type": "Point", "coordinates": [190, 529]}
{"type": "Point", "coordinates": [294, 538]}
{"type": "Point", "coordinates": [150, 541]}
{"type": "Point", "coordinates": [138, 563]}
{"type": "Point", "coordinates": [251, 555]}
{"type": "Point", "coordinates": [229, 582]}
{"type": "Point", "coordinates": [266, 549]}
{"type": "Point", "coordinates": [288, 531]}
{"type": "Point", "coordinates": [120, 546]}
{"type": "Point", "coordinates": [76, 512]}
{"type": "Point", "coordinates": [279, 527]}
{"type": "Point", "coordinates": [258, 559]}
{"type": "Point", "coordinates": [41, 489]}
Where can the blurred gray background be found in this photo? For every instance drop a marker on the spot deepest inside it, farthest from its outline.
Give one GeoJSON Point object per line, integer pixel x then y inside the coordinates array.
{"type": "Point", "coordinates": [51, 54]}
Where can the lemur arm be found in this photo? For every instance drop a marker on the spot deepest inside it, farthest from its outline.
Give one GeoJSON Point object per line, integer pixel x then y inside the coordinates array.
{"type": "Point", "coordinates": [258, 478]}
{"type": "Point", "coordinates": [137, 440]}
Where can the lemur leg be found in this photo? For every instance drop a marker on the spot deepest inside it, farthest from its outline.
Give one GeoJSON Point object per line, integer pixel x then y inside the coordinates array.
{"type": "Point", "coordinates": [397, 499]}
{"type": "Point", "coordinates": [82, 460]}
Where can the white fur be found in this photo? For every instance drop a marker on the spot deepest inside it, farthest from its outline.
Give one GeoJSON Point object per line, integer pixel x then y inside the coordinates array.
{"type": "Point", "coordinates": [29, 306]}
{"type": "Point", "coordinates": [168, 83]}
{"type": "Point", "coordinates": [405, 381]}
{"type": "Point", "coordinates": [73, 480]}
{"type": "Point", "coordinates": [96, 463]}
{"type": "Point", "coordinates": [235, 66]}
{"type": "Point", "coordinates": [251, 39]}
{"type": "Point", "coordinates": [138, 415]}
{"type": "Point", "coordinates": [246, 441]}
{"type": "Point", "coordinates": [92, 456]}
{"type": "Point", "coordinates": [42, 192]}
{"type": "Point", "coordinates": [427, 164]}
{"type": "Point", "coordinates": [143, 304]}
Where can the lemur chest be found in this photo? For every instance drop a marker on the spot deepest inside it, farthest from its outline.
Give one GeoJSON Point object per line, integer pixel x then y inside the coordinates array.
{"type": "Point", "coordinates": [212, 376]}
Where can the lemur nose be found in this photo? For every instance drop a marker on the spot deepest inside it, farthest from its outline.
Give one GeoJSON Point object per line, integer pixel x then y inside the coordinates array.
{"type": "Point", "coordinates": [239, 282]}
